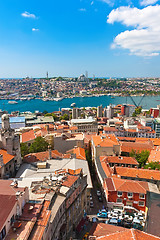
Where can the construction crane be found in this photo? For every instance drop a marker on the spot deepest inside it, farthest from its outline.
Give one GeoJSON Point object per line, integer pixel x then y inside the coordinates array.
{"type": "Point", "coordinates": [137, 105]}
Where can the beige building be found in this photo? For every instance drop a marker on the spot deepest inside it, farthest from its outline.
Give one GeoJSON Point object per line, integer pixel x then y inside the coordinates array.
{"type": "Point", "coordinates": [104, 145]}
{"type": "Point", "coordinates": [66, 141]}
{"type": "Point", "coordinates": [85, 125]}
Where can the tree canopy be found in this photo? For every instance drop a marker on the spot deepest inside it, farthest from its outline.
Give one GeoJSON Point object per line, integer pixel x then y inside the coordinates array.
{"type": "Point", "coordinates": [141, 157]}
{"type": "Point", "coordinates": [39, 145]}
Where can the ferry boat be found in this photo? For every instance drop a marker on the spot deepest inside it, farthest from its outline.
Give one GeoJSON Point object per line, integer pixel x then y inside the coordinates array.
{"type": "Point", "coordinates": [12, 102]}
{"type": "Point", "coordinates": [73, 104]}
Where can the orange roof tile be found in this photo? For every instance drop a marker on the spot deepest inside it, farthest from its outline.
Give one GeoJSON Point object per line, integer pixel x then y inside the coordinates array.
{"type": "Point", "coordinates": [79, 152]}
{"type": "Point", "coordinates": [128, 234]}
{"type": "Point", "coordinates": [70, 181]}
{"type": "Point", "coordinates": [126, 185]}
{"type": "Point", "coordinates": [42, 156]}
{"type": "Point", "coordinates": [122, 160]}
{"type": "Point", "coordinates": [75, 172]}
{"type": "Point", "coordinates": [110, 129]}
{"type": "Point", "coordinates": [28, 136]}
{"type": "Point", "coordinates": [138, 173]}
{"type": "Point", "coordinates": [42, 222]}
{"type": "Point", "coordinates": [105, 140]}
{"type": "Point", "coordinates": [100, 229]}
{"type": "Point", "coordinates": [6, 156]}
{"type": "Point", "coordinates": [154, 155]}
{"type": "Point", "coordinates": [136, 146]}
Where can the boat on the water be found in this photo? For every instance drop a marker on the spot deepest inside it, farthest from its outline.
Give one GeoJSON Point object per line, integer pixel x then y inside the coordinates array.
{"type": "Point", "coordinates": [73, 104]}
{"type": "Point", "coordinates": [12, 102]}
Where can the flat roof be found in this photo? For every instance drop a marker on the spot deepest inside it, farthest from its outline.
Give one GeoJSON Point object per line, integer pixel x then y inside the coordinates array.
{"type": "Point", "coordinates": [86, 120]}
{"type": "Point", "coordinates": [15, 120]}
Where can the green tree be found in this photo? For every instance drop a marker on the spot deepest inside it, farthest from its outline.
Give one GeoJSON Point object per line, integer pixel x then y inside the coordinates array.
{"type": "Point", "coordinates": [39, 145]}
{"type": "Point", "coordinates": [141, 157]}
{"type": "Point", "coordinates": [24, 149]}
{"type": "Point", "coordinates": [153, 165]}
{"type": "Point", "coordinates": [64, 117]}
{"type": "Point", "coordinates": [54, 116]}
{"type": "Point", "coordinates": [45, 112]}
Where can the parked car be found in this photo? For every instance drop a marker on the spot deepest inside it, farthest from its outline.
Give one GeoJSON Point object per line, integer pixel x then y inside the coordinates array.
{"type": "Point", "coordinates": [94, 219]}
{"type": "Point", "coordinates": [98, 193]}
{"type": "Point", "coordinates": [102, 214]}
{"type": "Point", "coordinates": [100, 199]}
{"type": "Point", "coordinates": [91, 204]}
{"type": "Point", "coordinates": [113, 221]}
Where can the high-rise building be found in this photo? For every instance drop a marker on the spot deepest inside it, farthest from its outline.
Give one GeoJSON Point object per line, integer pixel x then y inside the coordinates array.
{"type": "Point", "coordinates": [99, 111]}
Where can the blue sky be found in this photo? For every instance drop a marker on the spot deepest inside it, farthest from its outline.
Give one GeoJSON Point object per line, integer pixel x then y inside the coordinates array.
{"type": "Point", "coordinates": [118, 38]}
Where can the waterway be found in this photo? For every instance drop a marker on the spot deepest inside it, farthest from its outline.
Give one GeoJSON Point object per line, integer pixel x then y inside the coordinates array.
{"type": "Point", "coordinates": [50, 106]}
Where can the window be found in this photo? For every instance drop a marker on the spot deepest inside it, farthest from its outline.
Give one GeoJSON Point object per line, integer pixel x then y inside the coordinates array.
{"type": "Point", "coordinates": [142, 196]}
{"type": "Point", "coordinates": [141, 203]}
{"type": "Point", "coordinates": [130, 204]}
{"type": "Point", "coordinates": [3, 233]}
{"type": "Point", "coordinates": [130, 195]}
{"type": "Point", "coordinates": [119, 200]}
{"type": "Point", "coordinates": [119, 194]}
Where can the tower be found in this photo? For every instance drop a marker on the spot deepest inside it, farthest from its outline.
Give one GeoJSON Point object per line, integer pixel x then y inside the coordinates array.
{"type": "Point", "coordinates": [10, 141]}
{"type": "Point", "coordinates": [86, 74]}
{"type": "Point", "coordinates": [47, 74]}
{"type": "Point", "coordinates": [99, 111]}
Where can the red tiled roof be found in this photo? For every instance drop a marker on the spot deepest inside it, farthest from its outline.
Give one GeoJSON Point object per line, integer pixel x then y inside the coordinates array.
{"type": "Point", "coordinates": [110, 129]}
{"type": "Point", "coordinates": [154, 155]}
{"type": "Point", "coordinates": [105, 140]}
{"type": "Point", "coordinates": [75, 172]}
{"type": "Point", "coordinates": [41, 156]}
{"type": "Point", "coordinates": [138, 173]}
{"type": "Point", "coordinates": [80, 153]}
{"type": "Point", "coordinates": [100, 229]}
{"type": "Point", "coordinates": [122, 160]}
{"type": "Point", "coordinates": [6, 156]}
{"type": "Point", "coordinates": [128, 234]}
{"type": "Point", "coordinates": [28, 136]}
{"type": "Point", "coordinates": [42, 222]}
{"type": "Point", "coordinates": [69, 181]}
{"type": "Point", "coordinates": [7, 189]}
{"type": "Point", "coordinates": [117, 184]}
{"type": "Point", "coordinates": [136, 146]}
{"type": "Point", "coordinates": [7, 203]}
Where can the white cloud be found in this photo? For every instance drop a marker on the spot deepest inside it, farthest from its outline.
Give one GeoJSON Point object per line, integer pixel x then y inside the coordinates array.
{"type": "Point", "coordinates": [109, 2]}
{"type": "Point", "coordinates": [35, 29]}
{"type": "Point", "coordinates": [92, 3]}
{"type": "Point", "coordinates": [82, 10]}
{"type": "Point", "coordinates": [148, 2]}
{"type": "Point", "coordinates": [28, 15]}
{"type": "Point", "coordinates": [144, 39]}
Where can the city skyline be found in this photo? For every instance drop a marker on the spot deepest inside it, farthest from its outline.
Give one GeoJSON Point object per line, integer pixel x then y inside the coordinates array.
{"type": "Point", "coordinates": [66, 38]}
